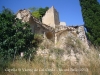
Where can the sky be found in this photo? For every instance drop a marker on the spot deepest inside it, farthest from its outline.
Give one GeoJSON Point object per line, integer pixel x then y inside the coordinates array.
{"type": "Point", "coordinates": [69, 10]}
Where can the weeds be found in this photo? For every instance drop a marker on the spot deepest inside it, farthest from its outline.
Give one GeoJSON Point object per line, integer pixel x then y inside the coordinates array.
{"type": "Point", "coordinates": [42, 65]}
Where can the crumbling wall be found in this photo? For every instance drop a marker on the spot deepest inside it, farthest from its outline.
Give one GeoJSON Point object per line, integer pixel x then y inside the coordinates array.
{"type": "Point", "coordinates": [62, 32]}
{"type": "Point", "coordinates": [36, 26]}
{"type": "Point", "coordinates": [54, 34]}
{"type": "Point", "coordinates": [81, 35]}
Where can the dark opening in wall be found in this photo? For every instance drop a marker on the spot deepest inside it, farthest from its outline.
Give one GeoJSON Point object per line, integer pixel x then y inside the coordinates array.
{"type": "Point", "coordinates": [49, 35]}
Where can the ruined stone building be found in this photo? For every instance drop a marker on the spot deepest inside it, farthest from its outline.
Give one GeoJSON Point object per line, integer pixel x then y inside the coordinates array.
{"type": "Point", "coordinates": [51, 27]}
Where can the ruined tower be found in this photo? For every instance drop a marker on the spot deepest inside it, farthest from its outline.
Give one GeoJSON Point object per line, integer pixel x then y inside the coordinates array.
{"type": "Point", "coordinates": [52, 28]}
{"type": "Point", "coordinates": [51, 17]}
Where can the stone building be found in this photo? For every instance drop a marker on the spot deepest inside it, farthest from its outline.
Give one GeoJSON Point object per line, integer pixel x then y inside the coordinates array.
{"type": "Point", "coordinates": [51, 27]}
{"type": "Point", "coordinates": [51, 17]}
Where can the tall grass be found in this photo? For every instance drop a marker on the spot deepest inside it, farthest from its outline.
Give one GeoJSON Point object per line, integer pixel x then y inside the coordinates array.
{"type": "Point", "coordinates": [45, 64]}
{"type": "Point", "coordinates": [42, 65]}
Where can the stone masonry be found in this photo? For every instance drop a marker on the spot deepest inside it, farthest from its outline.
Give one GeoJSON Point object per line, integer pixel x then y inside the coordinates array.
{"type": "Point", "coordinates": [50, 26]}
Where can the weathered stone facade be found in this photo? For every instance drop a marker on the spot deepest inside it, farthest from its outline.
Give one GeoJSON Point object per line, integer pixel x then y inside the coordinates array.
{"type": "Point", "coordinates": [51, 17]}
{"type": "Point", "coordinates": [57, 35]}
{"type": "Point", "coordinates": [37, 26]}
{"type": "Point", "coordinates": [50, 26]}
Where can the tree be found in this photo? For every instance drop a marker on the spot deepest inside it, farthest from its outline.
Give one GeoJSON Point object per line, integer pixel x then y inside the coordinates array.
{"type": "Point", "coordinates": [36, 14]}
{"type": "Point", "coordinates": [15, 37]}
{"type": "Point", "coordinates": [42, 11]}
{"type": "Point", "coordinates": [32, 9]}
{"type": "Point", "coordinates": [39, 13]}
{"type": "Point", "coordinates": [91, 13]}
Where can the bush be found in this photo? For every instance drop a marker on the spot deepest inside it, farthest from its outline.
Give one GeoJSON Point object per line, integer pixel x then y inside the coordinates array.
{"type": "Point", "coordinates": [15, 36]}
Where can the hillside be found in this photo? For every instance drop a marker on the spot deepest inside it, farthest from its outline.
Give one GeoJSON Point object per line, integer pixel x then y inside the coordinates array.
{"type": "Point", "coordinates": [46, 48]}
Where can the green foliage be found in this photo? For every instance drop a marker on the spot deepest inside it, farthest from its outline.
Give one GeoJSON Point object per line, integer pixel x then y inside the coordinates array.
{"type": "Point", "coordinates": [15, 36]}
{"type": "Point", "coordinates": [32, 9]}
{"type": "Point", "coordinates": [91, 13]}
{"type": "Point", "coordinates": [42, 11]}
{"type": "Point", "coordinates": [29, 54]}
{"type": "Point", "coordinates": [38, 38]}
{"type": "Point", "coordinates": [38, 13]}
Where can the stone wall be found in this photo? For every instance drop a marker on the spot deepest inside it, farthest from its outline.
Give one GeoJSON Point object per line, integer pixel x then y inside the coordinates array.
{"type": "Point", "coordinates": [72, 31]}
{"type": "Point", "coordinates": [63, 23]}
{"type": "Point", "coordinates": [56, 35]}
{"type": "Point", "coordinates": [81, 35]}
{"type": "Point", "coordinates": [55, 32]}
{"type": "Point", "coordinates": [36, 26]}
{"type": "Point", "coordinates": [51, 18]}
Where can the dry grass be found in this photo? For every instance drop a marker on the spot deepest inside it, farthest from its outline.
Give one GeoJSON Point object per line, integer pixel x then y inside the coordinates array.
{"type": "Point", "coordinates": [46, 66]}
{"type": "Point", "coordinates": [42, 65]}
